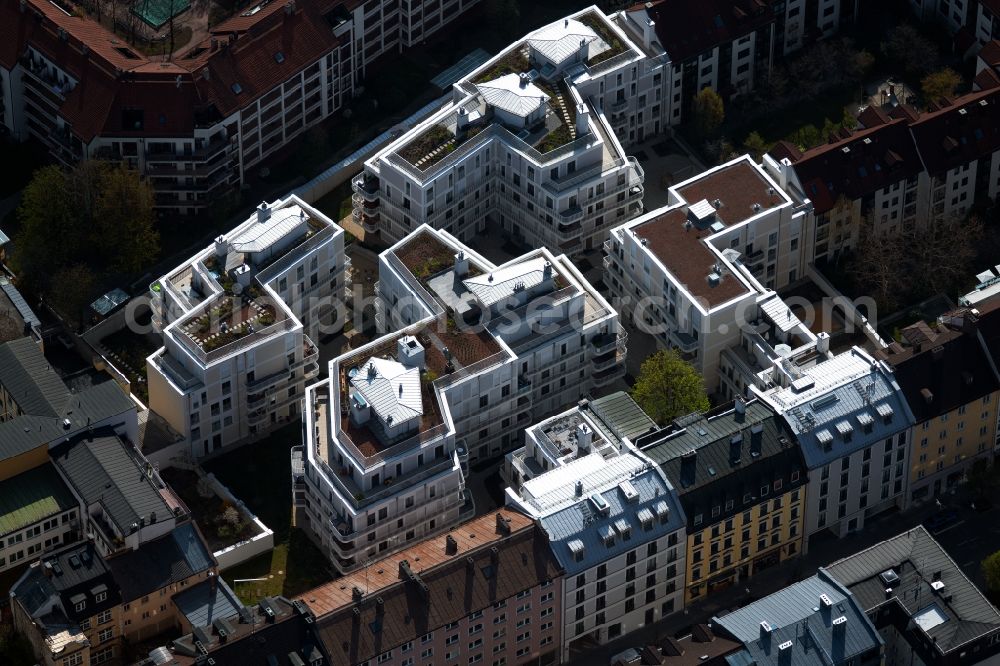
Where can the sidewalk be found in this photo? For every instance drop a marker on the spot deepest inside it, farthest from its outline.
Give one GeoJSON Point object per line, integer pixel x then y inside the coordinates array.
{"type": "Point", "coordinates": [767, 582]}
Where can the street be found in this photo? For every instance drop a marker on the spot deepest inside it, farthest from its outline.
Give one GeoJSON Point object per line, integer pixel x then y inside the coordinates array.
{"type": "Point", "coordinates": [968, 541]}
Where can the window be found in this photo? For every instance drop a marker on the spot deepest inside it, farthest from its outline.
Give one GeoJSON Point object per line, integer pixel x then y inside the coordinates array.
{"type": "Point", "coordinates": [73, 659]}
{"type": "Point", "coordinates": [80, 606]}
{"type": "Point", "coordinates": [104, 616]}
{"type": "Point", "coordinates": [106, 634]}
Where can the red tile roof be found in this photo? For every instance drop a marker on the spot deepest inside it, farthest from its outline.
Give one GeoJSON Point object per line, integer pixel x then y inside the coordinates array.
{"type": "Point", "coordinates": [990, 53]}
{"type": "Point", "coordinates": [967, 129]}
{"type": "Point", "coordinates": [873, 116]}
{"type": "Point", "coordinates": [687, 28]}
{"type": "Point", "coordinates": [868, 160]}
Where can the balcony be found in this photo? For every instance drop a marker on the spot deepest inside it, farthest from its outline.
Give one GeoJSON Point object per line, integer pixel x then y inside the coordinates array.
{"type": "Point", "coordinates": [605, 377]}
{"type": "Point", "coordinates": [570, 215]}
{"type": "Point", "coordinates": [608, 247]}
{"type": "Point", "coordinates": [366, 188]}
{"type": "Point", "coordinates": [606, 361]}
{"type": "Point", "coordinates": [606, 342]}
{"type": "Point", "coordinates": [619, 105]}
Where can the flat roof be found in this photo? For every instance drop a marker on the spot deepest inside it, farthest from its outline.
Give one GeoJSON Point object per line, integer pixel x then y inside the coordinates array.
{"type": "Point", "coordinates": [32, 496]}
{"type": "Point", "coordinates": [683, 251]}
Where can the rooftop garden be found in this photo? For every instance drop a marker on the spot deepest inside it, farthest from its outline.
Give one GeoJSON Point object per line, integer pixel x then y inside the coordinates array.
{"type": "Point", "coordinates": [607, 34]}
{"type": "Point", "coordinates": [562, 101]}
{"type": "Point", "coordinates": [514, 61]}
{"type": "Point", "coordinates": [128, 352]}
{"type": "Point", "coordinates": [219, 520]}
{"type": "Point", "coordinates": [424, 256]}
{"type": "Point", "coordinates": [229, 320]}
{"type": "Point", "coordinates": [436, 142]}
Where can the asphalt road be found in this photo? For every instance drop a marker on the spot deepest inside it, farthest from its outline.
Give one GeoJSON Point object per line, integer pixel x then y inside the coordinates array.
{"type": "Point", "coordinates": [968, 541]}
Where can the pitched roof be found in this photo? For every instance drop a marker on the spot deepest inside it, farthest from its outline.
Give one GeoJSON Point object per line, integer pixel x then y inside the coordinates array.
{"type": "Point", "coordinates": [735, 456]}
{"type": "Point", "coordinates": [868, 160]}
{"type": "Point", "coordinates": [797, 615]}
{"type": "Point", "coordinates": [62, 577]}
{"type": "Point", "coordinates": [966, 129]}
{"type": "Point", "coordinates": [391, 388]}
{"type": "Point", "coordinates": [47, 403]}
{"type": "Point", "coordinates": [562, 39]}
{"type": "Point", "coordinates": [101, 469]}
{"type": "Point", "coordinates": [578, 529]}
{"type": "Point", "coordinates": [686, 29]}
{"type": "Point", "coordinates": [513, 94]}
{"type": "Point", "coordinates": [455, 588]}
{"type": "Point", "coordinates": [32, 496]}
{"type": "Point", "coordinates": [507, 280]}
{"type": "Point", "coordinates": [990, 53]}
{"type": "Point", "coordinates": [208, 601]}
{"type": "Point", "coordinates": [916, 560]}
{"type": "Point", "coordinates": [836, 394]}
{"type": "Point", "coordinates": [951, 365]}
{"type": "Point", "coordinates": [161, 562]}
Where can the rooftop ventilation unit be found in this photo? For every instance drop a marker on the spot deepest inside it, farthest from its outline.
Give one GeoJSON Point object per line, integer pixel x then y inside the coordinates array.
{"type": "Point", "coordinates": [825, 601]}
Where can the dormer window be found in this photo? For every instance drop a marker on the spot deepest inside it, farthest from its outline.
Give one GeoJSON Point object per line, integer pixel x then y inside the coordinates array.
{"type": "Point", "coordinates": [101, 596]}
{"type": "Point", "coordinates": [79, 606]}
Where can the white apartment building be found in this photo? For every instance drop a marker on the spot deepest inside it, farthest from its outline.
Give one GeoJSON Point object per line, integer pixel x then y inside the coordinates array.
{"type": "Point", "coordinates": [852, 423]}
{"type": "Point", "coordinates": [618, 531]}
{"type": "Point", "coordinates": [477, 351]}
{"type": "Point", "coordinates": [526, 143]}
{"type": "Point", "coordinates": [238, 322]}
{"type": "Point", "coordinates": [696, 270]}
{"type": "Point", "coordinates": [987, 26]}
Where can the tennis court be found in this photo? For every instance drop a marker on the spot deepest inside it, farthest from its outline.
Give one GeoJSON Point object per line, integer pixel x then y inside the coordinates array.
{"type": "Point", "coordinates": [156, 13]}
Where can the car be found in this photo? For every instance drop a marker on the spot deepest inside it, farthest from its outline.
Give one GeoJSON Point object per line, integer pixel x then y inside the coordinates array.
{"type": "Point", "coordinates": [941, 520]}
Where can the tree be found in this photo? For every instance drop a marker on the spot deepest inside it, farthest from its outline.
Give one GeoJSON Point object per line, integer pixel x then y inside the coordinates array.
{"type": "Point", "coordinates": [708, 112]}
{"type": "Point", "coordinates": [906, 47]}
{"type": "Point", "coordinates": [877, 265]}
{"type": "Point", "coordinates": [755, 145]}
{"type": "Point", "coordinates": [991, 572]}
{"type": "Point", "coordinates": [938, 257]}
{"type": "Point", "coordinates": [669, 387]}
{"type": "Point", "coordinates": [81, 226]}
{"type": "Point", "coordinates": [503, 15]}
{"type": "Point", "coordinates": [940, 84]}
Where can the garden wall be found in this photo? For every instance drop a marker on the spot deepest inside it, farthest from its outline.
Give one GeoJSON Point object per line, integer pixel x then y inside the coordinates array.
{"type": "Point", "coordinates": [245, 550]}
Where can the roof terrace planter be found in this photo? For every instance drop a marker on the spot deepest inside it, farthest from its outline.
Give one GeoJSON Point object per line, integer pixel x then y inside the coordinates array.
{"type": "Point", "coordinates": [424, 256]}
{"type": "Point", "coordinates": [514, 62]}
{"type": "Point", "coordinates": [605, 33]}
{"type": "Point", "coordinates": [438, 140]}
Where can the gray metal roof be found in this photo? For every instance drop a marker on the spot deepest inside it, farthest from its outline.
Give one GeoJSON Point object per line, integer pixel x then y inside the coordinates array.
{"type": "Point", "coordinates": [796, 614]}
{"type": "Point", "coordinates": [839, 390]}
{"type": "Point", "coordinates": [208, 601]}
{"type": "Point", "coordinates": [161, 562]}
{"type": "Point", "coordinates": [580, 521]}
{"type": "Point", "coordinates": [620, 413]}
{"type": "Point", "coordinates": [21, 305]}
{"type": "Point", "coordinates": [26, 374]}
{"type": "Point", "coordinates": [46, 402]}
{"type": "Point", "coordinates": [916, 559]}
{"type": "Point", "coordinates": [68, 573]}
{"type": "Point", "coordinates": [103, 472]}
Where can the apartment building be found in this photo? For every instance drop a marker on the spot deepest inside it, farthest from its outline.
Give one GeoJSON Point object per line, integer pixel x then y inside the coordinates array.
{"type": "Point", "coordinates": [238, 322]}
{"type": "Point", "coordinates": [617, 530]}
{"type": "Point", "coordinates": [987, 26]}
{"type": "Point", "coordinates": [77, 606]}
{"type": "Point", "coordinates": [697, 270]}
{"type": "Point", "coordinates": [231, 634]}
{"type": "Point", "coordinates": [742, 483]}
{"type": "Point", "coordinates": [900, 172]}
{"type": "Point", "coordinates": [605, 425]}
{"type": "Point", "coordinates": [801, 22]}
{"type": "Point", "coordinates": [523, 144]}
{"type": "Point", "coordinates": [37, 513]}
{"type": "Point", "coordinates": [852, 423]}
{"type": "Point", "coordinates": [925, 609]}
{"type": "Point", "coordinates": [477, 350]}
{"type": "Point", "coordinates": [488, 591]}
{"type": "Point", "coordinates": [197, 124]}
{"type": "Point", "coordinates": [952, 387]}
{"type": "Point", "coordinates": [815, 622]}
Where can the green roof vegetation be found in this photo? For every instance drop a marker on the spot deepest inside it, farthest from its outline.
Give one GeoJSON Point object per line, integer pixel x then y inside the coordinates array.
{"type": "Point", "coordinates": [32, 496]}
{"type": "Point", "coordinates": [435, 137]}
{"type": "Point", "coordinates": [605, 33]}
{"type": "Point", "coordinates": [514, 62]}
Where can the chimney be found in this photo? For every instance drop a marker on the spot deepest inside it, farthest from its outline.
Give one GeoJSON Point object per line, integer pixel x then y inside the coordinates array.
{"type": "Point", "coordinates": [503, 524]}
{"type": "Point", "coordinates": [579, 488]}
{"type": "Point", "coordinates": [584, 436]}
{"type": "Point", "coordinates": [461, 264]}
{"type": "Point", "coordinates": [689, 462]}
{"type": "Point", "coordinates": [547, 270]}
{"type": "Point", "coordinates": [450, 545]}
{"type": "Point", "coordinates": [823, 342]}
{"type": "Point", "coordinates": [740, 408]}
{"type": "Point", "coordinates": [736, 448]}
{"type": "Point", "coordinates": [765, 630]}
{"type": "Point", "coordinates": [927, 395]}
{"type": "Point", "coordinates": [263, 212]}
{"type": "Point", "coordinates": [582, 119]}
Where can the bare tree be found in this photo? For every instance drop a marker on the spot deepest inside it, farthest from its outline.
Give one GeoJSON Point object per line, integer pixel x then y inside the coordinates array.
{"type": "Point", "coordinates": [877, 265]}
{"type": "Point", "coordinates": [939, 256]}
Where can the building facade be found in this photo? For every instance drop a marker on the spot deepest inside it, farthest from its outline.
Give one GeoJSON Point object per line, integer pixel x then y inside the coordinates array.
{"type": "Point", "coordinates": [617, 530]}
{"type": "Point", "coordinates": [951, 385]}
{"type": "Point", "coordinates": [850, 418]}
{"type": "Point", "coordinates": [489, 591]}
{"type": "Point", "coordinates": [742, 482]}
{"type": "Point", "coordinates": [238, 322]}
